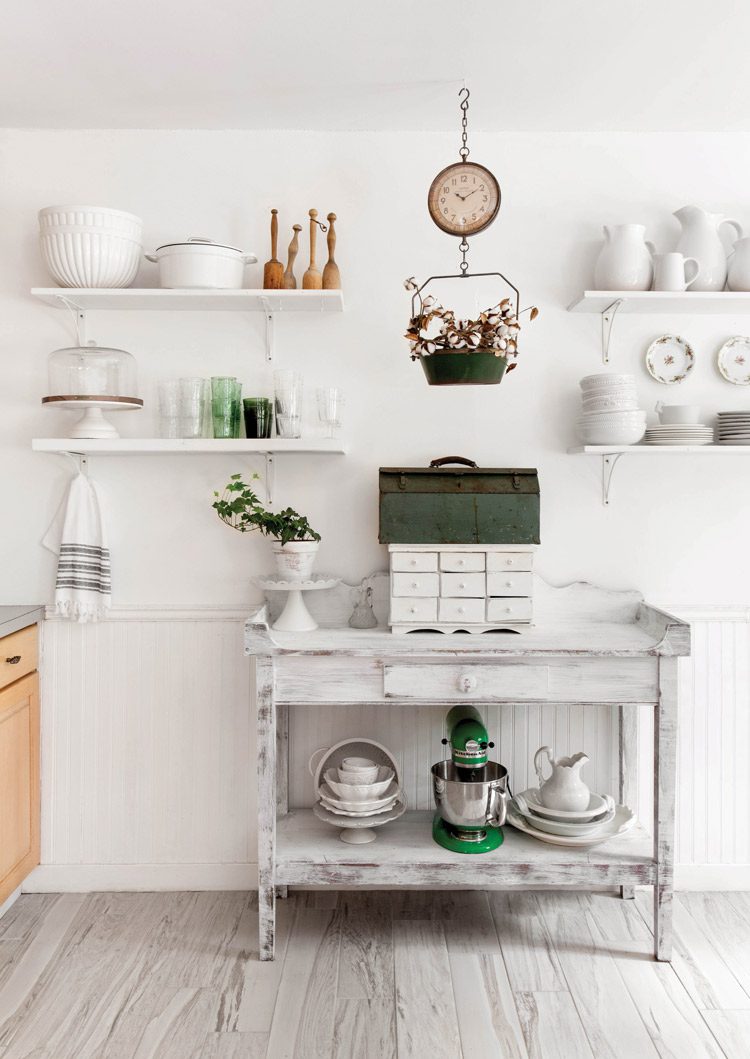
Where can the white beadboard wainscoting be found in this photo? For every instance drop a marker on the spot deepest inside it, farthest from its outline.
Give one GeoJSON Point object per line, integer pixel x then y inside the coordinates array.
{"type": "Point", "coordinates": [148, 763]}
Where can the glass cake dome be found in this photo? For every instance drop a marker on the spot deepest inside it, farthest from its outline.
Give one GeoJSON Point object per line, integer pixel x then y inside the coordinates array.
{"type": "Point", "coordinates": [92, 371]}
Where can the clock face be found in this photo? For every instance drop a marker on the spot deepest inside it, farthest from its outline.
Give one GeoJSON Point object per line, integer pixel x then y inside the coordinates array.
{"type": "Point", "coordinates": [464, 199]}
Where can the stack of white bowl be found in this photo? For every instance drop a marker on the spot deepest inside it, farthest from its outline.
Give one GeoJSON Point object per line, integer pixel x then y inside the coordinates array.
{"type": "Point", "coordinates": [359, 787]}
{"type": "Point", "coordinates": [90, 246]}
{"type": "Point", "coordinates": [601, 820]}
{"type": "Point", "coordinates": [610, 414]}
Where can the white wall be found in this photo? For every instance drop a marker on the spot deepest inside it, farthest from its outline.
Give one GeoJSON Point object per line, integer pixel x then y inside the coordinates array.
{"type": "Point", "coordinates": [677, 526]}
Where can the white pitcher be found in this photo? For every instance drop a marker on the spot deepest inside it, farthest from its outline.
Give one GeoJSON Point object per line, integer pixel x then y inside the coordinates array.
{"type": "Point", "coordinates": [563, 789]}
{"type": "Point", "coordinates": [739, 266]}
{"type": "Point", "coordinates": [700, 239]}
{"type": "Point", "coordinates": [624, 262]}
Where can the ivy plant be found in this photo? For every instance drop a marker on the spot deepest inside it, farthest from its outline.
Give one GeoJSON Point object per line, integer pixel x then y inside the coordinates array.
{"type": "Point", "coordinates": [239, 507]}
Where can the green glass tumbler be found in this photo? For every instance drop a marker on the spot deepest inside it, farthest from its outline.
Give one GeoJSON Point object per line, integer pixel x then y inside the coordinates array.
{"type": "Point", "coordinates": [258, 416]}
{"type": "Point", "coordinates": [226, 392]}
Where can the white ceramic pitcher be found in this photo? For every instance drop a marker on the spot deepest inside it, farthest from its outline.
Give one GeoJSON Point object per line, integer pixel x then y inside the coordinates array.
{"type": "Point", "coordinates": [700, 239]}
{"type": "Point", "coordinates": [624, 262]}
{"type": "Point", "coordinates": [739, 266]}
{"type": "Point", "coordinates": [563, 789]}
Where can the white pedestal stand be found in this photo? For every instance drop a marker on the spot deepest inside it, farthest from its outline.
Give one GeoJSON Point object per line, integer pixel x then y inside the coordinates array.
{"type": "Point", "coordinates": [93, 423]}
{"type": "Point", "coordinates": [295, 616]}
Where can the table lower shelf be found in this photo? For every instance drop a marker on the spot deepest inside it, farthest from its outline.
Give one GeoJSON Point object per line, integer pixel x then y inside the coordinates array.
{"type": "Point", "coordinates": [309, 852]}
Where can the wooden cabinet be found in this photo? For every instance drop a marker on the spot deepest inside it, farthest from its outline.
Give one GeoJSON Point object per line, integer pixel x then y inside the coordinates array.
{"type": "Point", "coordinates": [19, 759]}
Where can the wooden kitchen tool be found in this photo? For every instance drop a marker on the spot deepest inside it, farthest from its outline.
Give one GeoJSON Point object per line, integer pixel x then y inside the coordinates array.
{"type": "Point", "coordinates": [273, 270]}
{"type": "Point", "coordinates": [331, 274]}
{"type": "Point", "coordinates": [312, 279]}
{"type": "Point", "coordinates": [290, 283]}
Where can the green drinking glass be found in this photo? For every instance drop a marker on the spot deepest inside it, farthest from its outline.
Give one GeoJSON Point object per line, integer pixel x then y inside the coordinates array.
{"type": "Point", "coordinates": [258, 416]}
{"type": "Point", "coordinates": [226, 392]}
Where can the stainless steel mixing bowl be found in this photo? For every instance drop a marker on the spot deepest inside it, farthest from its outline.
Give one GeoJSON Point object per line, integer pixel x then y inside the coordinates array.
{"type": "Point", "coordinates": [480, 803]}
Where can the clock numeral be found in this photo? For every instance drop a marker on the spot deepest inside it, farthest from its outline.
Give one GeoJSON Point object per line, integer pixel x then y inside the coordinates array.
{"type": "Point", "coordinates": [481, 187]}
{"type": "Point", "coordinates": [482, 210]}
{"type": "Point", "coordinates": [453, 216]}
{"type": "Point", "coordinates": [464, 178]}
{"type": "Point", "coordinates": [446, 189]}
{"type": "Point", "coordinates": [442, 200]}
{"type": "Point", "coordinates": [445, 211]}
{"type": "Point", "coordinates": [473, 216]}
{"type": "Point", "coordinates": [453, 181]}
{"type": "Point", "coordinates": [484, 198]}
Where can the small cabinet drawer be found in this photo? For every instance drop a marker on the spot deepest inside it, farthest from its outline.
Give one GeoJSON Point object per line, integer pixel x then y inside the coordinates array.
{"type": "Point", "coordinates": [509, 560]}
{"type": "Point", "coordinates": [417, 561]}
{"type": "Point", "coordinates": [458, 610]}
{"type": "Point", "coordinates": [18, 655]}
{"type": "Point", "coordinates": [510, 609]}
{"type": "Point", "coordinates": [460, 561]}
{"type": "Point", "coordinates": [438, 682]}
{"type": "Point", "coordinates": [415, 584]}
{"type": "Point", "coordinates": [509, 584]}
{"type": "Point", "coordinates": [463, 585]}
{"type": "Point", "coordinates": [413, 610]}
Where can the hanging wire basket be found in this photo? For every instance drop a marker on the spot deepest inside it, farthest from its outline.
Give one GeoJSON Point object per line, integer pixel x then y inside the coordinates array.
{"type": "Point", "coordinates": [465, 353]}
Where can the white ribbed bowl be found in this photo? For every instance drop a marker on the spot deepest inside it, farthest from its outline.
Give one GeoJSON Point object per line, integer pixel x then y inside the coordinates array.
{"type": "Point", "coordinates": [86, 246]}
{"type": "Point", "coordinates": [606, 381]}
{"type": "Point", "coordinates": [610, 433]}
{"type": "Point", "coordinates": [610, 403]}
{"type": "Point", "coordinates": [635, 415]}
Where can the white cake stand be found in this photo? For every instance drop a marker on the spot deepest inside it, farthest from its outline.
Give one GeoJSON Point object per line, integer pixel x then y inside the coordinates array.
{"type": "Point", "coordinates": [295, 617]}
{"type": "Point", "coordinates": [93, 423]}
{"type": "Point", "coordinates": [359, 830]}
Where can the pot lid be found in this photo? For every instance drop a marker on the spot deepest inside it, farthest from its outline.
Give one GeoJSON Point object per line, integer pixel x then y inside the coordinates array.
{"type": "Point", "coordinates": [195, 240]}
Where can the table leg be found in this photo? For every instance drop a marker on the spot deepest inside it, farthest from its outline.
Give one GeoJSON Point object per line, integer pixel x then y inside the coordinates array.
{"type": "Point", "coordinates": [282, 771]}
{"type": "Point", "coordinates": [266, 722]}
{"type": "Point", "coordinates": [628, 765]}
{"type": "Point", "coordinates": [665, 763]}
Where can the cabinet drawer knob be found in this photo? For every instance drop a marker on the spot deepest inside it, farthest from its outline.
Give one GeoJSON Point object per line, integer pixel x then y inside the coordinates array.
{"type": "Point", "coordinates": [414, 562]}
{"type": "Point", "coordinates": [460, 562]}
{"type": "Point", "coordinates": [467, 682]}
{"type": "Point", "coordinates": [461, 584]}
{"type": "Point", "coordinates": [462, 610]}
{"type": "Point", "coordinates": [14, 660]}
{"type": "Point", "coordinates": [412, 610]}
{"type": "Point", "coordinates": [508, 562]}
{"type": "Point", "coordinates": [509, 584]}
{"type": "Point", "coordinates": [415, 584]}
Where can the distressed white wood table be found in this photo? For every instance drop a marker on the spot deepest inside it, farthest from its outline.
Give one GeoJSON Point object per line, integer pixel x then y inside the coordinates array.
{"type": "Point", "coordinates": [589, 647]}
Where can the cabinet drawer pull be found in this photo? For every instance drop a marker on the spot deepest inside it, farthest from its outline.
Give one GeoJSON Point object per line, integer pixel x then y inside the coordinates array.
{"type": "Point", "coordinates": [467, 682]}
{"type": "Point", "coordinates": [14, 660]}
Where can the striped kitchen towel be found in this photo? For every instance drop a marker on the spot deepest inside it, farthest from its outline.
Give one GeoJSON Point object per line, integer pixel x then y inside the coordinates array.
{"type": "Point", "coordinates": [83, 588]}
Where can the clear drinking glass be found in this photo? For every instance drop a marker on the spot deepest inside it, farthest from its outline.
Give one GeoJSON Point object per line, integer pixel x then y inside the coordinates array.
{"type": "Point", "coordinates": [287, 392]}
{"type": "Point", "coordinates": [330, 408]}
{"type": "Point", "coordinates": [226, 406]}
{"type": "Point", "coordinates": [182, 407]}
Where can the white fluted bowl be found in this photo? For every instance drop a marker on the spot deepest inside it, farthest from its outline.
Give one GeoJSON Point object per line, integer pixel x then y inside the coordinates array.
{"type": "Point", "coordinates": [87, 246]}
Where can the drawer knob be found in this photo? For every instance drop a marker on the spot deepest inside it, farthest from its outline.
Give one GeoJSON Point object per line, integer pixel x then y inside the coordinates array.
{"type": "Point", "coordinates": [507, 610]}
{"type": "Point", "coordinates": [461, 584]}
{"type": "Point", "coordinates": [509, 584]}
{"type": "Point", "coordinates": [415, 584]}
{"type": "Point", "coordinates": [412, 610]}
{"type": "Point", "coordinates": [508, 562]}
{"type": "Point", "coordinates": [14, 660]}
{"type": "Point", "coordinates": [462, 610]}
{"type": "Point", "coordinates": [460, 562]}
{"type": "Point", "coordinates": [467, 682]}
{"type": "Point", "coordinates": [414, 562]}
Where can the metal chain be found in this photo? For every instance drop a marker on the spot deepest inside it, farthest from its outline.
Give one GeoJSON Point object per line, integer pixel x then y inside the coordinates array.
{"type": "Point", "coordinates": [463, 246]}
{"type": "Point", "coordinates": [464, 150]}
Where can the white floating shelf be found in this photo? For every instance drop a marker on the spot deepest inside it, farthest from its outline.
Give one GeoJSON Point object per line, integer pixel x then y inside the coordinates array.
{"type": "Point", "coordinates": [274, 301]}
{"type": "Point", "coordinates": [187, 446]}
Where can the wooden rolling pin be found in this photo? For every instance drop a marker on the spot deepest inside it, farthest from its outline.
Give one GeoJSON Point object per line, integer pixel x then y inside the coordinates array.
{"type": "Point", "coordinates": [312, 279]}
{"type": "Point", "coordinates": [290, 283]}
{"type": "Point", "coordinates": [331, 274]}
{"type": "Point", "coordinates": [273, 270]}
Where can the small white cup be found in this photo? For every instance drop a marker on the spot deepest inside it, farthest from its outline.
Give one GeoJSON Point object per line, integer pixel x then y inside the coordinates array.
{"type": "Point", "coordinates": [670, 272]}
{"type": "Point", "coordinates": [677, 413]}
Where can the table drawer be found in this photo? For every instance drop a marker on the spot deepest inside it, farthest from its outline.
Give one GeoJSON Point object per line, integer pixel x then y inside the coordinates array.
{"type": "Point", "coordinates": [18, 655]}
{"type": "Point", "coordinates": [468, 610]}
{"type": "Point", "coordinates": [461, 561]}
{"type": "Point", "coordinates": [509, 560]}
{"type": "Point", "coordinates": [463, 585]}
{"type": "Point", "coordinates": [509, 609]}
{"type": "Point", "coordinates": [416, 561]}
{"type": "Point", "coordinates": [416, 584]}
{"type": "Point", "coordinates": [471, 682]}
{"type": "Point", "coordinates": [509, 584]}
{"type": "Point", "coordinates": [413, 610]}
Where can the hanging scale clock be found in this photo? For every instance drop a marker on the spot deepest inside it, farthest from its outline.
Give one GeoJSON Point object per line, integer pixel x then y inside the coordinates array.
{"type": "Point", "coordinates": [464, 197]}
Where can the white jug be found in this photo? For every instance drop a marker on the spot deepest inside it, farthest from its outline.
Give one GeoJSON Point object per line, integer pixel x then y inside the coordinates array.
{"type": "Point", "coordinates": [739, 266]}
{"type": "Point", "coordinates": [700, 239]}
{"type": "Point", "coordinates": [671, 272]}
{"type": "Point", "coordinates": [624, 262]}
{"type": "Point", "coordinates": [563, 789]}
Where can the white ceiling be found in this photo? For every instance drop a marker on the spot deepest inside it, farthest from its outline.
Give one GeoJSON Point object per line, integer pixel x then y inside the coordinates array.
{"type": "Point", "coordinates": [387, 64]}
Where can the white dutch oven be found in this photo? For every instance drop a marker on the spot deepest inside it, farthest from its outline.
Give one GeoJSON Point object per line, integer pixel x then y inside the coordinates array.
{"type": "Point", "coordinates": [201, 264]}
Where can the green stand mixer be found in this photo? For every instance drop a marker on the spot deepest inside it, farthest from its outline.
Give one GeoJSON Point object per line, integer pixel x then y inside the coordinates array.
{"type": "Point", "coordinates": [471, 793]}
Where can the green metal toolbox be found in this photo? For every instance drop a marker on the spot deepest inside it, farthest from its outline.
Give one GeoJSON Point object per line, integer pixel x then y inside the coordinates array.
{"type": "Point", "coordinates": [465, 504]}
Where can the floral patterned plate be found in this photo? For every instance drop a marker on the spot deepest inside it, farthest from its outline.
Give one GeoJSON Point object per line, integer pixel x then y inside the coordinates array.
{"type": "Point", "coordinates": [733, 360]}
{"type": "Point", "coordinates": [669, 359]}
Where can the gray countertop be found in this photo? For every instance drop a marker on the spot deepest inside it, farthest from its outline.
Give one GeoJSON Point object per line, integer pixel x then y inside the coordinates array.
{"type": "Point", "coordinates": [14, 618]}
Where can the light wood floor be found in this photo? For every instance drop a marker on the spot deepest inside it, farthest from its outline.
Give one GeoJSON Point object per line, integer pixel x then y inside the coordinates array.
{"type": "Point", "coordinates": [372, 976]}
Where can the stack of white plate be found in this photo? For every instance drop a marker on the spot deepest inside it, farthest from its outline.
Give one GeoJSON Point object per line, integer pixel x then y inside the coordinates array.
{"type": "Point", "coordinates": [679, 434]}
{"type": "Point", "coordinates": [734, 428]}
{"type": "Point", "coordinates": [358, 788]}
{"type": "Point", "coordinates": [610, 414]}
{"type": "Point", "coordinates": [597, 823]}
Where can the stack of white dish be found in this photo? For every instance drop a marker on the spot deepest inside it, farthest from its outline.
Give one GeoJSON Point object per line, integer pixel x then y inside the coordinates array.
{"type": "Point", "coordinates": [601, 820]}
{"type": "Point", "coordinates": [610, 415]}
{"type": "Point", "coordinates": [90, 246]}
{"type": "Point", "coordinates": [360, 788]}
{"type": "Point", "coordinates": [734, 428]}
{"type": "Point", "coordinates": [679, 434]}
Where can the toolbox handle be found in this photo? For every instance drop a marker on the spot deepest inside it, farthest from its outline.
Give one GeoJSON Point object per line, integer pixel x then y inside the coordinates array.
{"type": "Point", "coordinates": [452, 459]}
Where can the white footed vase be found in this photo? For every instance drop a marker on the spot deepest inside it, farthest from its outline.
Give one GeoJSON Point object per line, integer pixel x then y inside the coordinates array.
{"type": "Point", "coordinates": [701, 240]}
{"type": "Point", "coordinates": [624, 262]}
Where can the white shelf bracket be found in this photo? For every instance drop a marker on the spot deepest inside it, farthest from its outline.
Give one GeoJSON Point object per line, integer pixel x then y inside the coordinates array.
{"type": "Point", "coordinates": [609, 462]}
{"type": "Point", "coordinates": [269, 329]}
{"type": "Point", "coordinates": [270, 477]}
{"type": "Point", "coordinates": [608, 320]}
